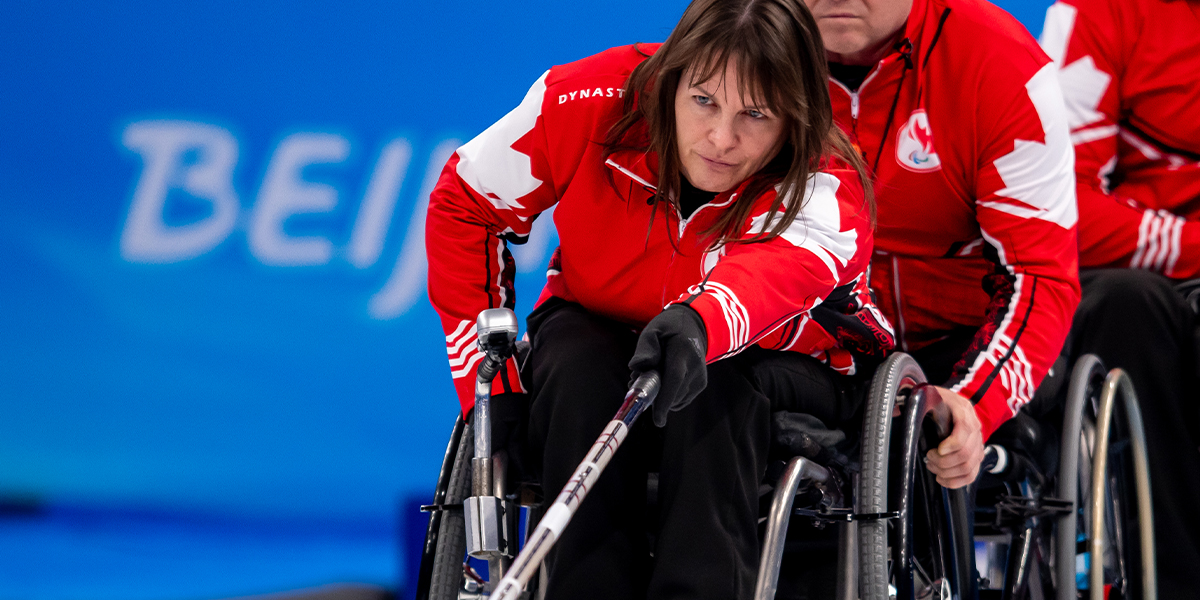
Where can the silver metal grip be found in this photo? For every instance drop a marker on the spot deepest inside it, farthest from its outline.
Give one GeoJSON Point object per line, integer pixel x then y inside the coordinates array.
{"type": "Point", "coordinates": [646, 386]}
{"type": "Point", "coordinates": [491, 520]}
{"type": "Point", "coordinates": [639, 397]}
{"type": "Point", "coordinates": [497, 330]}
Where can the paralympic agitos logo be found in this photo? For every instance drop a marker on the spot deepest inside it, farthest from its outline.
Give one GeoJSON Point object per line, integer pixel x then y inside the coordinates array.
{"type": "Point", "coordinates": [914, 145]}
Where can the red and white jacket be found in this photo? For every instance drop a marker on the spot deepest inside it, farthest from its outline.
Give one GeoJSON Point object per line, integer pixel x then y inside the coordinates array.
{"type": "Point", "coordinates": [1130, 74]}
{"type": "Point", "coordinates": [964, 127]}
{"type": "Point", "coordinates": [804, 290]}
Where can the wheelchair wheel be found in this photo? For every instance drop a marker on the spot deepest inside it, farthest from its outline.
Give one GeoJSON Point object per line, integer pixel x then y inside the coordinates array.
{"type": "Point", "coordinates": [1114, 544]}
{"type": "Point", "coordinates": [899, 374]}
{"type": "Point", "coordinates": [446, 543]}
{"type": "Point", "coordinates": [444, 563]}
{"type": "Point", "coordinates": [1107, 544]}
{"type": "Point", "coordinates": [931, 547]}
{"type": "Point", "coordinates": [893, 383]}
{"type": "Point", "coordinates": [933, 552]}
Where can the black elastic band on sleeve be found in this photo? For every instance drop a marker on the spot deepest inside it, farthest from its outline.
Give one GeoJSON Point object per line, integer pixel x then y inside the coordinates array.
{"type": "Point", "coordinates": [987, 383]}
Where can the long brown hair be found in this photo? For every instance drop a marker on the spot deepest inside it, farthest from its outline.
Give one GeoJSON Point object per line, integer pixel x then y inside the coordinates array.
{"type": "Point", "coordinates": [781, 60]}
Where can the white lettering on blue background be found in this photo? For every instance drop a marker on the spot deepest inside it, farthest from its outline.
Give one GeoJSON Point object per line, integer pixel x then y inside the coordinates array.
{"type": "Point", "coordinates": [163, 146]}
{"type": "Point", "coordinates": [200, 159]}
{"type": "Point", "coordinates": [375, 214]}
{"type": "Point", "coordinates": [404, 286]}
{"type": "Point", "coordinates": [285, 193]}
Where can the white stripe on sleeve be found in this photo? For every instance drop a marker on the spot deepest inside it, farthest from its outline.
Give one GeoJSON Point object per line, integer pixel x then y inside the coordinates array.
{"type": "Point", "coordinates": [818, 225]}
{"type": "Point", "coordinates": [736, 315]}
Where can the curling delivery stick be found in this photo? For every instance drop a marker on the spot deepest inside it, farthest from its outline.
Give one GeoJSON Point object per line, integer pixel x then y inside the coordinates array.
{"type": "Point", "coordinates": [640, 396]}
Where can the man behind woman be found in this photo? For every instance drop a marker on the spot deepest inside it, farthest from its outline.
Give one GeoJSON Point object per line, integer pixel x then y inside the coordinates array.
{"type": "Point", "coordinates": [970, 143]}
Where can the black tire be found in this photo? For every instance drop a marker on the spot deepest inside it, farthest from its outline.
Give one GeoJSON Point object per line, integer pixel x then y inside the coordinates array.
{"type": "Point", "coordinates": [933, 546]}
{"type": "Point", "coordinates": [898, 374]}
{"type": "Point", "coordinates": [448, 557]}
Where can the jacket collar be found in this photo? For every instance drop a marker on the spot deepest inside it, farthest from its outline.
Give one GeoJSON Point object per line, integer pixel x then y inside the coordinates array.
{"type": "Point", "coordinates": [923, 30]}
{"type": "Point", "coordinates": [642, 169]}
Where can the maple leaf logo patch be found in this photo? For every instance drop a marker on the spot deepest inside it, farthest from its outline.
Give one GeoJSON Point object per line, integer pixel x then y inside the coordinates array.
{"type": "Point", "coordinates": [914, 144]}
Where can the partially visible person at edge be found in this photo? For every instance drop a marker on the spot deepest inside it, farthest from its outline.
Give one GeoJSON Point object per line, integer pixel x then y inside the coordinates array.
{"type": "Point", "coordinates": [1130, 74]}
{"type": "Point", "coordinates": [958, 113]}
{"type": "Point", "coordinates": [703, 174]}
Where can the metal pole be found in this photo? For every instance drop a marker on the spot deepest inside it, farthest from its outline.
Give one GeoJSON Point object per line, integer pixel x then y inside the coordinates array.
{"type": "Point", "coordinates": [481, 464]}
{"type": "Point", "coordinates": [1086, 368]}
{"type": "Point", "coordinates": [639, 398]}
{"type": "Point", "coordinates": [847, 585]}
{"type": "Point", "coordinates": [1119, 380]}
{"type": "Point", "coordinates": [1099, 488]}
{"type": "Point", "coordinates": [798, 470]}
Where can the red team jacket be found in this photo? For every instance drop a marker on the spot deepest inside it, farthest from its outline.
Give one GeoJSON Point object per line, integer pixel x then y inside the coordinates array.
{"type": "Point", "coordinates": [1130, 74]}
{"type": "Point", "coordinates": [965, 129]}
{"type": "Point", "coordinates": [803, 291]}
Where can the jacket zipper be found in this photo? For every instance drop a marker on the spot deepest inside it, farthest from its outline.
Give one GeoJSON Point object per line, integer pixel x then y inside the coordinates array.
{"type": "Point", "coordinates": [683, 223]}
{"type": "Point", "coordinates": [679, 217]}
{"type": "Point", "coordinates": [610, 162]}
{"type": "Point", "coordinates": [854, 96]}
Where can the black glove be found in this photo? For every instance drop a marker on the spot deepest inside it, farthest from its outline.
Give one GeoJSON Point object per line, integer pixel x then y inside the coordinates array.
{"type": "Point", "coordinates": [675, 343]}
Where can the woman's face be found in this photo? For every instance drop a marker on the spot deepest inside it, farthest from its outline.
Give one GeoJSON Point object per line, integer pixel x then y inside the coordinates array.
{"type": "Point", "coordinates": [721, 139]}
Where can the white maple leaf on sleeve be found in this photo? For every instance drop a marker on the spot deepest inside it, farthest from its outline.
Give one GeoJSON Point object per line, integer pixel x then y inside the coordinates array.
{"type": "Point", "coordinates": [1083, 84]}
{"type": "Point", "coordinates": [1039, 177]}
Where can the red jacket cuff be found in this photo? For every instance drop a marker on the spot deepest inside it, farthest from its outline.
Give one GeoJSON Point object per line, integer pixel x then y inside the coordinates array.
{"type": "Point", "coordinates": [1188, 265]}
{"type": "Point", "coordinates": [715, 326]}
{"type": "Point", "coordinates": [992, 411]}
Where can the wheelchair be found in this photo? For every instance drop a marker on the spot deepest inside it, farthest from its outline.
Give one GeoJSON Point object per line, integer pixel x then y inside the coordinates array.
{"type": "Point", "coordinates": [900, 535]}
{"type": "Point", "coordinates": [1065, 513]}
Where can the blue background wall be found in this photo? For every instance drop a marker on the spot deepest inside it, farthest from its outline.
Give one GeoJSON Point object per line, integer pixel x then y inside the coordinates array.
{"type": "Point", "coordinates": [211, 260]}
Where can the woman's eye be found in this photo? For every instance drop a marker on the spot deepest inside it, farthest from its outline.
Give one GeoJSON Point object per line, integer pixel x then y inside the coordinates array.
{"type": "Point", "coordinates": [754, 114]}
{"type": "Point", "coordinates": [703, 100]}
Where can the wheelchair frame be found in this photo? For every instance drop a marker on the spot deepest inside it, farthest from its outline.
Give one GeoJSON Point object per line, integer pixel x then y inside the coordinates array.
{"type": "Point", "coordinates": [442, 567]}
{"type": "Point", "coordinates": [1092, 393]}
{"type": "Point", "coordinates": [882, 552]}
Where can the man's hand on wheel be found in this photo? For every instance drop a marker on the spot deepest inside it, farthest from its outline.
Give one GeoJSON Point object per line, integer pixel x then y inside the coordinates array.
{"type": "Point", "coordinates": [675, 342]}
{"type": "Point", "coordinates": [956, 460]}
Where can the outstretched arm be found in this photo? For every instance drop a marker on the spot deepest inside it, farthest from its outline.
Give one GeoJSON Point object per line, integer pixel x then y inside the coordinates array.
{"type": "Point", "coordinates": [489, 192]}
{"type": "Point", "coordinates": [755, 289]}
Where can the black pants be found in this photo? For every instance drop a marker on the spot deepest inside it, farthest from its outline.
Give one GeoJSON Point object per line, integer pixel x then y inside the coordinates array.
{"type": "Point", "coordinates": [710, 457]}
{"type": "Point", "coordinates": [1136, 321]}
